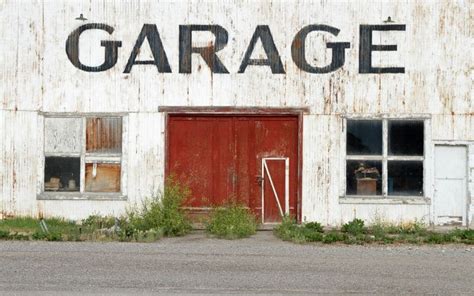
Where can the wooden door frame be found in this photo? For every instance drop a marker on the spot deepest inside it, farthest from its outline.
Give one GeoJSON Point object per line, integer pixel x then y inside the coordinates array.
{"type": "Point", "coordinates": [170, 111]}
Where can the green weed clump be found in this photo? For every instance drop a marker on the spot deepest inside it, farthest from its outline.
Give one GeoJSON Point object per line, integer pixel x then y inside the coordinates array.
{"type": "Point", "coordinates": [334, 237]}
{"type": "Point", "coordinates": [161, 213]}
{"type": "Point", "coordinates": [289, 230]}
{"type": "Point", "coordinates": [314, 226]}
{"type": "Point", "coordinates": [231, 221]}
{"type": "Point", "coordinates": [4, 234]}
{"type": "Point", "coordinates": [354, 227]}
{"type": "Point", "coordinates": [96, 221]}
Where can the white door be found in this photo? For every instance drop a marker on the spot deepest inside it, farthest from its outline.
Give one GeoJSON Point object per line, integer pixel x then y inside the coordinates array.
{"type": "Point", "coordinates": [450, 185]}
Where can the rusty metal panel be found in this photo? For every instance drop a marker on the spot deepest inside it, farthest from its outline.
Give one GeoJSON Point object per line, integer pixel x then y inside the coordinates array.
{"type": "Point", "coordinates": [63, 135]}
{"type": "Point", "coordinates": [104, 134]}
{"type": "Point", "coordinates": [102, 177]}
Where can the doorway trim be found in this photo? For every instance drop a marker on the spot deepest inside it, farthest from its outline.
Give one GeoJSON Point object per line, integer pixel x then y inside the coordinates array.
{"type": "Point", "coordinates": [243, 111]}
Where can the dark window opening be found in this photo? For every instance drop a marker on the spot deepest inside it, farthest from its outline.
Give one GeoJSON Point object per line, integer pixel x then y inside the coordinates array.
{"type": "Point", "coordinates": [62, 174]}
{"type": "Point", "coordinates": [405, 138]}
{"type": "Point", "coordinates": [364, 137]}
{"type": "Point", "coordinates": [364, 177]}
{"type": "Point", "coordinates": [405, 178]}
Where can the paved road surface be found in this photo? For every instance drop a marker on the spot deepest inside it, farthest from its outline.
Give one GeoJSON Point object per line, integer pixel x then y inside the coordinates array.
{"type": "Point", "coordinates": [260, 265]}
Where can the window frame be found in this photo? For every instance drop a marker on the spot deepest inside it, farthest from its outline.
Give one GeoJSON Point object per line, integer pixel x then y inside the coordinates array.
{"type": "Point", "coordinates": [85, 157]}
{"type": "Point", "coordinates": [385, 158]}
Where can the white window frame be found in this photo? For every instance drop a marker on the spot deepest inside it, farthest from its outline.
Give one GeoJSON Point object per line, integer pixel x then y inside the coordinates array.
{"type": "Point", "coordinates": [384, 158]}
{"type": "Point", "coordinates": [85, 158]}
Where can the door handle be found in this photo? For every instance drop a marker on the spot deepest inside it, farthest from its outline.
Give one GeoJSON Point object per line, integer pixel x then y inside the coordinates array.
{"type": "Point", "coordinates": [259, 179]}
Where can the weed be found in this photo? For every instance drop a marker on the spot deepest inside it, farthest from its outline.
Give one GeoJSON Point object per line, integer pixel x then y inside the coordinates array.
{"type": "Point", "coordinates": [333, 237]}
{"type": "Point", "coordinates": [314, 226]}
{"type": "Point", "coordinates": [161, 211]}
{"type": "Point", "coordinates": [354, 227]}
{"type": "Point", "coordinates": [98, 222]}
{"type": "Point", "coordinates": [286, 230]}
{"type": "Point", "coordinates": [378, 230]}
{"type": "Point", "coordinates": [4, 234]}
{"type": "Point", "coordinates": [414, 227]}
{"type": "Point", "coordinates": [39, 235]}
{"type": "Point", "coordinates": [435, 238]}
{"type": "Point", "coordinates": [311, 235]}
{"type": "Point", "coordinates": [231, 221]}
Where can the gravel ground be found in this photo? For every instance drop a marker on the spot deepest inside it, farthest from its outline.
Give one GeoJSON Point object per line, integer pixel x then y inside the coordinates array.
{"type": "Point", "coordinates": [260, 265]}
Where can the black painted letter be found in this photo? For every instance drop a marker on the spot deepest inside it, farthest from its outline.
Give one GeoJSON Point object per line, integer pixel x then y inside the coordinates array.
{"type": "Point", "coordinates": [298, 50]}
{"type": "Point", "coordinates": [111, 48]}
{"type": "Point", "coordinates": [150, 32]}
{"type": "Point", "coordinates": [366, 47]}
{"type": "Point", "coordinates": [208, 53]}
{"type": "Point", "coordinates": [273, 59]}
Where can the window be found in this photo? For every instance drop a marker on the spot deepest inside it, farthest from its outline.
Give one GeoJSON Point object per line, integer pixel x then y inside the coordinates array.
{"type": "Point", "coordinates": [384, 157]}
{"type": "Point", "coordinates": [83, 154]}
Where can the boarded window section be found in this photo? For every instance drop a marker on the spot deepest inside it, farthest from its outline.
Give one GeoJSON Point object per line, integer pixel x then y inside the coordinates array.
{"type": "Point", "coordinates": [104, 135]}
{"type": "Point", "coordinates": [405, 178]}
{"type": "Point", "coordinates": [405, 138]}
{"type": "Point", "coordinates": [62, 174]}
{"type": "Point", "coordinates": [364, 177]}
{"type": "Point", "coordinates": [102, 177]}
{"type": "Point", "coordinates": [63, 135]}
{"type": "Point", "coordinates": [364, 137]}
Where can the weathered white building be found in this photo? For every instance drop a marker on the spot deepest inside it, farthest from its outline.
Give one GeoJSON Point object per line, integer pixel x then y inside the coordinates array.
{"type": "Point", "coordinates": [328, 110]}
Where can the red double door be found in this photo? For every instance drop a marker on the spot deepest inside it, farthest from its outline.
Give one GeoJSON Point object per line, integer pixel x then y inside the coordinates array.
{"type": "Point", "coordinates": [253, 159]}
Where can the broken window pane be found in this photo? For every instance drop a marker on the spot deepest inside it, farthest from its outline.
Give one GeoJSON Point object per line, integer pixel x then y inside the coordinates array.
{"type": "Point", "coordinates": [63, 135]}
{"type": "Point", "coordinates": [364, 137]}
{"type": "Point", "coordinates": [405, 138]}
{"type": "Point", "coordinates": [363, 177]}
{"type": "Point", "coordinates": [62, 174]}
{"type": "Point", "coordinates": [405, 178]}
{"type": "Point", "coordinates": [104, 135]}
{"type": "Point", "coordinates": [102, 177]}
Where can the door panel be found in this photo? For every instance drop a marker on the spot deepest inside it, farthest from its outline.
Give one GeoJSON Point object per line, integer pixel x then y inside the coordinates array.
{"type": "Point", "coordinates": [200, 156]}
{"type": "Point", "coordinates": [450, 184]}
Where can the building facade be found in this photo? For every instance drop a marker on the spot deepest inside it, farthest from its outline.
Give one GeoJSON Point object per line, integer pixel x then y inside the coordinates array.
{"type": "Point", "coordinates": [325, 110]}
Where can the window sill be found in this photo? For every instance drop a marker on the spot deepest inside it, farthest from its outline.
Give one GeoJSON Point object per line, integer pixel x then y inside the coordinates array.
{"type": "Point", "coordinates": [80, 196]}
{"type": "Point", "coordinates": [377, 200]}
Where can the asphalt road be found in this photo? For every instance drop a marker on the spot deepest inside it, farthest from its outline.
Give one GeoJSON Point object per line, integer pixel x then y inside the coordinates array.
{"type": "Point", "coordinates": [260, 265]}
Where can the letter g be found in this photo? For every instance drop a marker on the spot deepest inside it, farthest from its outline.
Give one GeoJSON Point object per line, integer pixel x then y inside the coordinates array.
{"type": "Point", "coordinates": [111, 48]}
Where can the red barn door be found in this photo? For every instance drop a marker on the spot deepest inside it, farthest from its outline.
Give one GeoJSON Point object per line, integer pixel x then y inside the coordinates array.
{"type": "Point", "coordinates": [221, 157]}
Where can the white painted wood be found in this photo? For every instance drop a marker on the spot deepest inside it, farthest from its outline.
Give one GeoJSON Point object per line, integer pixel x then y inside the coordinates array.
{"type": "Point", "coordinates": [450, 184]}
